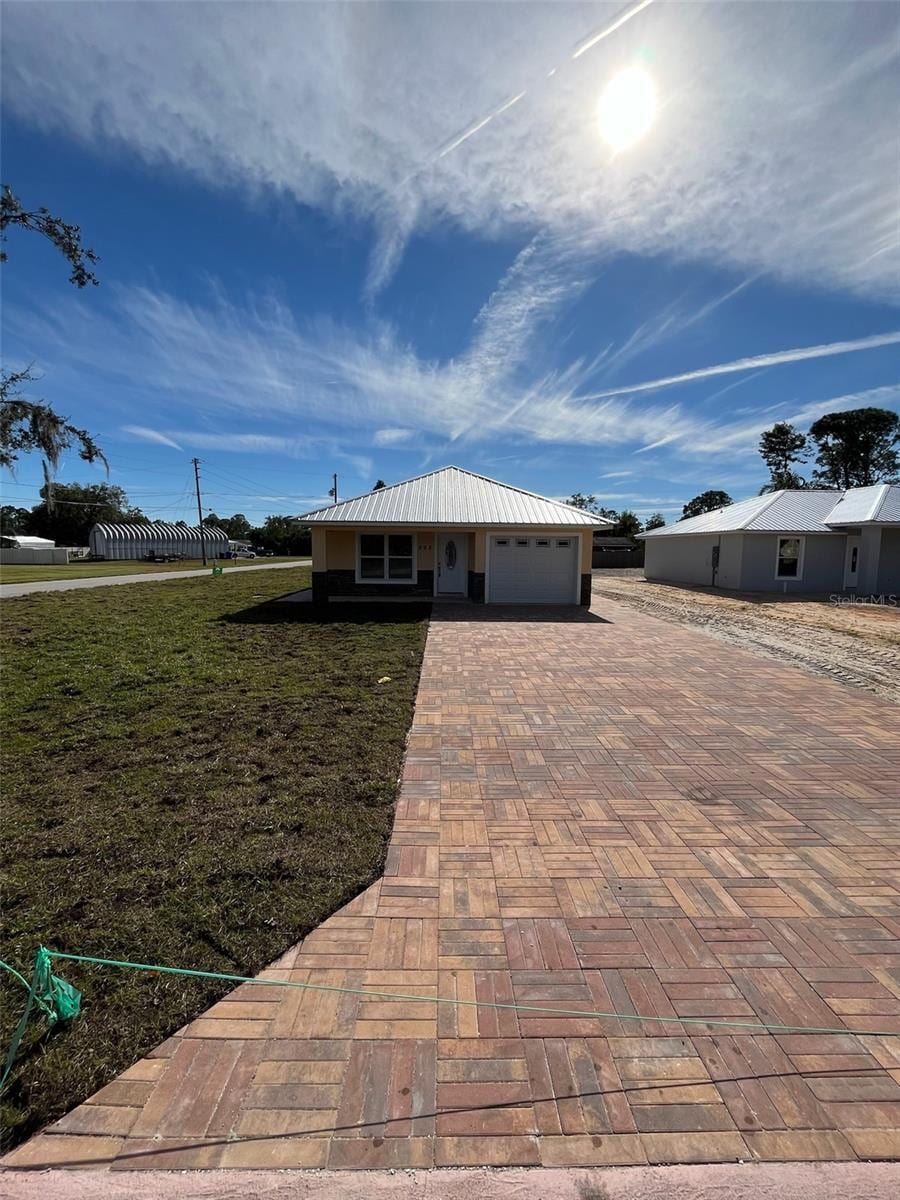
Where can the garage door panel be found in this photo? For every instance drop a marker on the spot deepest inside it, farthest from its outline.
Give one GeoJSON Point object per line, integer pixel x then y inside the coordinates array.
{"type": "Point", "coordinates": [533, 569]}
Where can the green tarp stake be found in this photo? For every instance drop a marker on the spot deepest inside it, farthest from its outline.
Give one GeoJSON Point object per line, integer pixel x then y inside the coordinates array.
{"type": "Point", "coordinates": [57, 1000]}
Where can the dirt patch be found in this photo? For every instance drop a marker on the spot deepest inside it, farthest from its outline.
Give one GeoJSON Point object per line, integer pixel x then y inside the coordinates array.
{"type": "Point", "coordinates": [854, 643]}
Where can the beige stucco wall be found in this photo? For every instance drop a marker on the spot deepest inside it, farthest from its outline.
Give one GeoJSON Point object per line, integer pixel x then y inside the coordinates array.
{"type": "Point", "coordinates": [587, 551]}
{"type": "Point", "coordinates": [319, 560]}
{"type": "Point", "coordinates": [335, 549]}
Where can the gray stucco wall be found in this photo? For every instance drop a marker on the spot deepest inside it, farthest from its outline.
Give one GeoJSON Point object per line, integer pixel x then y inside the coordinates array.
{"type": "Point", "coordinates": [731, 556]}
{"type": "Point", "coordinates": [889, 562]}
{"type": "Point", "coordinates": [869, 557]}
{"type": "Point", "coordinates": [823, 564]}
{"type": "Point", "coordinates": [685, 559]}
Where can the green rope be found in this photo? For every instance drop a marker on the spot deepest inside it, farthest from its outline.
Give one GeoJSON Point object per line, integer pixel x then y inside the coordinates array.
{"type": "Point", "coordinates": [57, 1000]}
{"type": "Point", "coordinates": [758, 1026]}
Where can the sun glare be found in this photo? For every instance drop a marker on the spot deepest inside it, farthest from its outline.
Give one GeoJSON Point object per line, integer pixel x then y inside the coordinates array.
{"type": "Point", "coordinates": [627, 108]}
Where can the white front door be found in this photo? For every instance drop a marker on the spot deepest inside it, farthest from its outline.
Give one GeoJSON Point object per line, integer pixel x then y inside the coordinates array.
{"type": "Point", "coordinates": [851, 563]}
{"type": "Point", "coordinates": [452, 564]}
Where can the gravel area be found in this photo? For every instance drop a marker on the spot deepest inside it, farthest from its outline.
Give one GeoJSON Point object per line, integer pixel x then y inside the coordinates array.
{"type": "Point", "coordinates": [856, 644]}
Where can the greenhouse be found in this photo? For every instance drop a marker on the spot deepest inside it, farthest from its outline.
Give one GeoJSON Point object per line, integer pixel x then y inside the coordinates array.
{"type": "Point", "coordinates": [157, 539]}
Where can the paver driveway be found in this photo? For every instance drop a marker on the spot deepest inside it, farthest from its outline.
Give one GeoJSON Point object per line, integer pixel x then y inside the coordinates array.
{"type": "Point", "coordinates": [594, 816]}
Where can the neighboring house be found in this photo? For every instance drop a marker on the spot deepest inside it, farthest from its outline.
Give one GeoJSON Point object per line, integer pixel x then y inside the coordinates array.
{"type": "Point", "coordinates": [790, 541]}
{"type": "Point", "coordinates": [456, 535]}
{"type": "Point", "coordinates": [614, 551]}
{"type": "Point", "coordinates": [24, 550]}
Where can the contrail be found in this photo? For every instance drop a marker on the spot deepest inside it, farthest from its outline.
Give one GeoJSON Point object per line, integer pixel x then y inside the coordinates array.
{"type": "Point", "coordinates": [593, 38]}
{"type": "Point", "coordinates": [748, 364]}
{"type": "Point", "coordinates": [587, 43]}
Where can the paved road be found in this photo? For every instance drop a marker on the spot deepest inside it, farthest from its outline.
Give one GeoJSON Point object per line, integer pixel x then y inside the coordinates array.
{"type": "Point", "coordinates": [8, 590]}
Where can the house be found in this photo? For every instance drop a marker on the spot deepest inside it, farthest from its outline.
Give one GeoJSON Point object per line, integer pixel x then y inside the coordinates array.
{"type": "Point", "coordinates": [453, 534]}
{"type": "Point", "coordinates": [17, 548]}
{"type": "Point", "coordinates": [788, 541]}
{"type": "Point", "coordinates": [613, 551]}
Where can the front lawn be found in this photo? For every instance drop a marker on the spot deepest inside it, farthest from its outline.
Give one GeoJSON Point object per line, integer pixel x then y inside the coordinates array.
{"type": "Point", "coordinates": [193, 777]}
{"type": "Point", "coordinates": [17, 573]}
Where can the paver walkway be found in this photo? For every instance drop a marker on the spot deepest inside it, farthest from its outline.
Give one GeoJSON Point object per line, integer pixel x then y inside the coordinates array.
{"type": "Point", "coordinates": [618, 816]}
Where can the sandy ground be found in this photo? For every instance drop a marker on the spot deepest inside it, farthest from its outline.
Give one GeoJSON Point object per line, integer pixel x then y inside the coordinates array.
{"type": "Point", "coordinates": [854, 643]}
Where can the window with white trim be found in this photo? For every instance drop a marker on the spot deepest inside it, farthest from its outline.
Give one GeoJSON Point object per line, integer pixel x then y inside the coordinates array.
{"type": "Point", "coordinates": [789, 560]}
{"type": "Point", "coordinates": [386, 558]}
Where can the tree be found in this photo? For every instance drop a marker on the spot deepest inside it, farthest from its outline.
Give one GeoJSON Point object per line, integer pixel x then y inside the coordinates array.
{"type": "Point", "coordinates": [589, 504]}
{"type": "Point", "coordinates": [76, 507]}
{"type": "Point", "coordinates": [654, 521]}
{"type": "Point", "coordinates": [628, 525]}
{"type": "Point", "coordinates": [857, 448]}
{"type": "Point", "coordinates": [704, 503]}
{"type": "Point", "coordinates": [282, 535]}
{"type": "Point", "coordinates": [237, 528]}
{"type": "Point", "coordinates": [32, 425]}
{"type": "Point", "coordinates": [378, 485]}
{"type": "Point", "coordinates": [66, 238]}
{"type": "Point", "coordinates": [782, 447]}
{"type": "Point", "coordinates": [29, 425]}
{"type": "Point", "coordinates": [13, 520]}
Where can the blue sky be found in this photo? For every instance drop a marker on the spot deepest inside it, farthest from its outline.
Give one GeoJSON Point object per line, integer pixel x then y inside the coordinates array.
{"type": "Point", "coordinates": [305, 270]}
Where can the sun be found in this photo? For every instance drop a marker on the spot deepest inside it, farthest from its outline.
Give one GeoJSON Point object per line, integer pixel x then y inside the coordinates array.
{"type": "Point", "coordinates": [627, 108]}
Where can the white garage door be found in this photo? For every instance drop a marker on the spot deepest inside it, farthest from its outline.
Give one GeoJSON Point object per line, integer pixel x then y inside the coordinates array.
{"type": "Point", "coordinates": [532, 569]}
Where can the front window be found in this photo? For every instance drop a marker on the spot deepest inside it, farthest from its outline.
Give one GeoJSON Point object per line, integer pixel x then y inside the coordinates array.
{"type": "Point", "coordinates": [386, 557]}
{"type": "Point", "coordinates": [790, 551]}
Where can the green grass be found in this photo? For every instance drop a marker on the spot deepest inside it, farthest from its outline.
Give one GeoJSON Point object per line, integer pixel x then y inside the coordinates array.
{"type": "Point", "coordinates": [193, 776]}
{"type": "Point", "coordinates": [10, 573]}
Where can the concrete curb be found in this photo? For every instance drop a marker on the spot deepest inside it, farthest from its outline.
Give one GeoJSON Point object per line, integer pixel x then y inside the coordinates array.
{"type": "Point", "coordinates": [726, 1181]}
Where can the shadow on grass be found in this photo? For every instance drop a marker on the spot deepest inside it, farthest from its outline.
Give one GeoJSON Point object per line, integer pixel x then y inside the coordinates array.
{"type": "Point", "coordinates": [284, 611]}
{"type": "Point", "coordinates": [289, 610]}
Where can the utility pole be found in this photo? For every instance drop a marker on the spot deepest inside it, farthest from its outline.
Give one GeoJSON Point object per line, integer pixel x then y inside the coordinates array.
{"type": "Point", "coordinates": [334, 492]}
{"type": "Point", "coordinates": [196, 462]}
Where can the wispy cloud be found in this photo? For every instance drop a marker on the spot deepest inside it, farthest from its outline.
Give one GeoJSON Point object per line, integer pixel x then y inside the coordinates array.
{"type": "Point", "coordinates": [150, 435]}
{"type": "Point", "coordinates": [774, 151]}
{"type": "Point", "coordinates": [281, 371]}
{"type": "Point", "coordinates": [392, 437]}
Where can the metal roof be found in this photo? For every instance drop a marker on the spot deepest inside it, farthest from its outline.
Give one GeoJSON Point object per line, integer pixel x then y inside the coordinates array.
{"type": "Point", "coordinates": [866, 505]}
{"type": "Point", "coordinates": [452, 496]}
{"type": "Point", "coordinates": [26, 542]}
{"type": "Point", "coordinates": [147, 530]}
{"type": "Point", "coordinates": [806, 510]}
{"type": "Point", "coordinates": [801, 511]}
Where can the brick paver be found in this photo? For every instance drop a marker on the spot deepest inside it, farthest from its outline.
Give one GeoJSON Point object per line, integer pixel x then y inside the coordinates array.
{"type": "Point", "coordinates": [595, 815]}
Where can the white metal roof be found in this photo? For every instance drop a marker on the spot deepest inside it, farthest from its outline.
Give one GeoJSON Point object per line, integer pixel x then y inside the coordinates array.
{"type": "Point", "coordinates": [862, 506]}
{"type": "Point", "coordinates": [29, 543]}
{"type": "Point", "coordinates": [776, 512]}
{"type": "Point", "coordinates": [149, 530]}
{"type": "Point", "coordinates": [806, 510]}
{"type": "Point", "coordinates": [452, 496]}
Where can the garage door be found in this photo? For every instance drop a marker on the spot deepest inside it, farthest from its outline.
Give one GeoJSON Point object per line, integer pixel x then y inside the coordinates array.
{"type": "Point", "coordinates": [533, 569]}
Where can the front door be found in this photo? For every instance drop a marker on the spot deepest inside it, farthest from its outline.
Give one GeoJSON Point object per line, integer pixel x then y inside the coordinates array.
{"type": "Point", "coordinates": [851, 563]}
{"type": "Point", "coordinates": [452, 564]}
